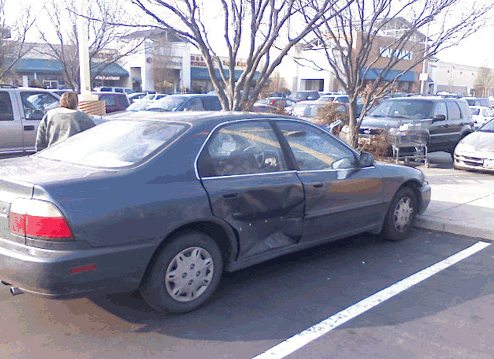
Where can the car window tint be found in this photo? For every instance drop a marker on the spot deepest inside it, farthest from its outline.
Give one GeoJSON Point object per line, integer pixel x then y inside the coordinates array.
{"type": "Point", "coordinates": [211, 103]}
{"type": "Point", "coordinates": [440, 109]}
{"type": "Point", "coordinates": [109, 100]}
{"type": "Point", "coordinates": [6, 113]}
{"type": "Point", "coordinates": [114, 143]}
{"type": "Point", "coordinates": [314, 149]}
{"type": "Point", "coordinates": [194, 104]}
{"type": "Point", "coordinates": [36, 104]}
{"type": "Point", "coordinates": [453, 111]}
{"type": "Point", "coordinates": [242, 148]}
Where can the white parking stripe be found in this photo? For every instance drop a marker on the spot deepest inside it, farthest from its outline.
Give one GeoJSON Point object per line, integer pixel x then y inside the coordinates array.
{"type": "Point", "coordinates": [299, 340]}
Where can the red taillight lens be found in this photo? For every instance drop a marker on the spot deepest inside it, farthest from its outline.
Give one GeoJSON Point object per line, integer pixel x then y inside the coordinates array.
{"type": "Point", "coordinates": [38, 219]}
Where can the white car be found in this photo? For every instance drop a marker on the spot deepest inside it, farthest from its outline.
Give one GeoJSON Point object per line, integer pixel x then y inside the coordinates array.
{"type": "Point", "coordinates": [481, 115]}
{"type": "Point", "coordinates": [476, 151]}
{"type": "Point", "coordinates": [334, 98]}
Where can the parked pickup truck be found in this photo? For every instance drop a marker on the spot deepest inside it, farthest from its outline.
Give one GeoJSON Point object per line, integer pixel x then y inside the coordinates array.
{"type": "Point", "coordinates": [21, 109]}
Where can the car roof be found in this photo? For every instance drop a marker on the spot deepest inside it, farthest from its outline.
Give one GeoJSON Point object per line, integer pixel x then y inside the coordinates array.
{"type": "Point", "coordinates": [198, 117]}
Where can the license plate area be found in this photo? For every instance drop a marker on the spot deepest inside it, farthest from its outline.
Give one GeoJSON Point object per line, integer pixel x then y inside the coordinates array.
{"type": "Point", "coordinates": [488, 163]}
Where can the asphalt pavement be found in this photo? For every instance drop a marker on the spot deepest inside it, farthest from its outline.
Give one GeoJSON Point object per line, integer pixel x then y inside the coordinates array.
{"type": "Point", "coordinates": [462, 202]}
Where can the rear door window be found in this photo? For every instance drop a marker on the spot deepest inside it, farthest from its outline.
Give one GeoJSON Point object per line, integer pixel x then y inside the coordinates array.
{"type": "Point", "coordinates": [211, 103]}
{"type": "Point", "coordinates": [6, 112]}
{"type": "Point", "coordinates": [453, 111]}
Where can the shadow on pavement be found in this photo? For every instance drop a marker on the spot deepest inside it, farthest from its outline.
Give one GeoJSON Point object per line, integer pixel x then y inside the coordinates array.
{"type": "Point", "coordinates": [282, 297]}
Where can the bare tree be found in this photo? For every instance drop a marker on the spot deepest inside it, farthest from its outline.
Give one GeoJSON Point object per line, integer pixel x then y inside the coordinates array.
{"type": "Point", "coordinates": [261, 31]}
{"type": "Point", "coordinates": [385, 39]}
{"type": "Point", "coordinates": [484, 81]}
{"type": "Point", "coordinates": [13, 38]}
{"type": "Point", "coordinates": [107, 43]}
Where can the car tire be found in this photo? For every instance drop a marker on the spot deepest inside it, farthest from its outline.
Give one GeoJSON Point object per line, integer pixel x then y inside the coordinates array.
{"type": "Point", "coordinates": [401, 214]}
{"type": "Point", "coordinates": [185, 274]}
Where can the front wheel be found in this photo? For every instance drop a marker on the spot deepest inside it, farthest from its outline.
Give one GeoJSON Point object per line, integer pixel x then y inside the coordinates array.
{"type": "Point", "coordinates": [185, 274]}
{"type": "Point", "coordinates": [401, 215]}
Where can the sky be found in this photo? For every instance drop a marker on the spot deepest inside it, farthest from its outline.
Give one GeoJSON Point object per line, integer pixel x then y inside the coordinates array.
{"type": "Point", "coordinates": [477, 50]}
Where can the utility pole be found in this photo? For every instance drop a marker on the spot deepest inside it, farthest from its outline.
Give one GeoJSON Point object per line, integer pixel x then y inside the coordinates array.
{"type": "Point", "coordinates": [87, 102]}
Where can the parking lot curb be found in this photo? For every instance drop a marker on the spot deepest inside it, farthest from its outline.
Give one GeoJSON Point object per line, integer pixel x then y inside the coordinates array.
{"type": "Point", "coordinates": [455, 228]}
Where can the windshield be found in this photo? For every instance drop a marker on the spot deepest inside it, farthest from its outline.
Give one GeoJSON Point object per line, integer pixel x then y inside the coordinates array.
{"type": "Point", "coordinates": [138, 106]}
{"type": "Point", "coordinates": [169, 103]}
{"type": "Point", "coordinates": [114, 144]}
{"type": "Point", "coordinates": [488, 127]}
{"type": "Point", "coordinates": [408, 109]}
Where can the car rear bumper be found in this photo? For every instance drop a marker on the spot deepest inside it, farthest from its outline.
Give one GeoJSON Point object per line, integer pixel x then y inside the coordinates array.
{"type": "Point", "coordinates": [62, 274]}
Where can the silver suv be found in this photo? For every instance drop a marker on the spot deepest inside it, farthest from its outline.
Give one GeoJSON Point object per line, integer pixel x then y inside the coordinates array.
{"type": "Point", "coordinates": [21, 110]}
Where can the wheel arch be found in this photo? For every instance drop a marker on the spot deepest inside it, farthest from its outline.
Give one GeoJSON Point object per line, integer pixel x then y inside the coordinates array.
{"type": "Point", "coordinates": [414, 185]}
{"type": "Point", "coordinates": [221, 233]}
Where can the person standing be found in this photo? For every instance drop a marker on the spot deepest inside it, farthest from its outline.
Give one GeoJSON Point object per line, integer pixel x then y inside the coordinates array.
{"type": "Point", "coordinates": [60, 123]}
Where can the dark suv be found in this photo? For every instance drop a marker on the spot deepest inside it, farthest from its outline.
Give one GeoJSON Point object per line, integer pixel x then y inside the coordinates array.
{"type": "Point", "coordinates": [444, 120]}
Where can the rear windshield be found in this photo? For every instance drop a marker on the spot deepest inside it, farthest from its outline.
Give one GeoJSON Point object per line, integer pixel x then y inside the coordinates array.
{"type": "Point", "coordinates": [407, 109]}
{"type": "Point", "coordinates": [114, 144]}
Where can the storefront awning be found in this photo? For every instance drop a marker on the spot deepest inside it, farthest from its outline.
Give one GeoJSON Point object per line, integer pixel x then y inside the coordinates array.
{"type": "Point", "coordinates": [50, 66]}
{"type": "Point", "coordinates": [372, 74]}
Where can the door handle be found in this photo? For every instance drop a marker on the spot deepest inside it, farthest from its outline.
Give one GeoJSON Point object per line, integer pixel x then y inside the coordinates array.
{"type": "Point", "coordinates": [29, 128]}
{"type": "Point", "coordinates": [230, 195]}
{"type": "Point", "coordinates": [318, 185]}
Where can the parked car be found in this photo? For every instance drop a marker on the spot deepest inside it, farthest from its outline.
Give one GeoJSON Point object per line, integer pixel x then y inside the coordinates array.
{"type": "Point", "coordinates": [136, 96]}
{"type": "Point", "coordinates": [310, 110]}
{"type": "Point", "coordinates": [208, 193]}
{"type": "Point", "coordinates": [154, 96]}
{"type": "Point", "coordinates": [446, 121]}
{"type": "Point", "coordinates": [114, 101]}
{"type": "Point", "coordinates": [272, 104]}
{"type": "Point", "coordinates": [477, 101]}
{"type": "Point", "coordinates": [187, 102]}
{"type": "Point", "coordinates": [334, 98]}
{"type": "Point", "coordinates": [21, 110]}
{"type": "Point", "coordinates": [481, 115]}
{"type": "Point", "coordinates": [476, 151]}
{"type": "Point", "coordinates": [304, 95]}
{"type": "Point", "coordinates": [114, 89]}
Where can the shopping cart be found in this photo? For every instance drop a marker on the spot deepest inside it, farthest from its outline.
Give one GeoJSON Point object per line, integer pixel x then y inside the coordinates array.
{"type": "Point", "coordinates": [409, 142]}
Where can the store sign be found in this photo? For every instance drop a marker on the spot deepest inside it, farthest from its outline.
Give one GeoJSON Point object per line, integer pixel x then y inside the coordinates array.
{"type": "Point", "coordinates": [401, 55]}
{"type": "Point", "coordinates": [107, 77]}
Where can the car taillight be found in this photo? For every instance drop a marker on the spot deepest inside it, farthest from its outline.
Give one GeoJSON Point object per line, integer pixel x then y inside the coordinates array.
{"type": "Point", "coordinates": [38, 219]}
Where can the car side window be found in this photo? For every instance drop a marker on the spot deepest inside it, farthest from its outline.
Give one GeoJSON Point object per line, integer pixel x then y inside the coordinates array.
{"type": "Point", "coordinates": [440, 109]}
{"type": "Point", "coordinates": [6, 112]}
{"type": "Point", "coordinates": [109, 100]}
{"type": "Point", "coordinates": [36, 104]}
{"type": "Point", "coordinates": [242, 148]}
{"type": "Point", "coordinates": [314, 149]}
{"type": "Point", "coordinates": [453, 111]}
{"type": "Point", "coordinates": [211, 103]}
{"type": "Point", "coordinates": [194, 104]}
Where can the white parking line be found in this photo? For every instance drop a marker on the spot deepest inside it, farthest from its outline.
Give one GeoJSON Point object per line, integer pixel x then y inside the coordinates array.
{"type": "Point", "coordinates": [299, 340]}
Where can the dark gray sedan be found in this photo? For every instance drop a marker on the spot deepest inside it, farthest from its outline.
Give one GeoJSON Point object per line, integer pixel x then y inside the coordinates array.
{"type": "Point", "coordinates": [164, 203]}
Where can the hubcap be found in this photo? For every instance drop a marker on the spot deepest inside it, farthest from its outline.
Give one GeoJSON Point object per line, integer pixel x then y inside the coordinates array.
{"type": "Point", "coordinates": [189, 274]}
{"type": "Point", "coordinates": [403, 214]}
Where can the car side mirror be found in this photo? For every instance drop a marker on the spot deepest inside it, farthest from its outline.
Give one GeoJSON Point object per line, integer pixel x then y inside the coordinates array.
{"type": "Point", "coordinates": [366, 159]}
{"type": "Point", "coordinates": [439, 118]}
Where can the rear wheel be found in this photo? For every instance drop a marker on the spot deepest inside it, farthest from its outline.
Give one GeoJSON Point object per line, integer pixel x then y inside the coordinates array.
{"type": "Point", "coordinates": [185, 274]}
{"type": "Point", "coordinates": [401, 215]}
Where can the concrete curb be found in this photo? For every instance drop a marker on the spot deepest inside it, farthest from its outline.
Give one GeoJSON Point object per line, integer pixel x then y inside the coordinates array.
{"type": "Point", "coordinates": [455, 228]}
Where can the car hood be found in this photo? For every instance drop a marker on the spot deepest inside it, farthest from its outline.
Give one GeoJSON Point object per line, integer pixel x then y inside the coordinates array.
{"type": "Point", "coordinates": [35, 170]}
{"type": "Point", "coordinates": [385, 122]}
{"type": "Point", "coordinates": [480, 141]}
